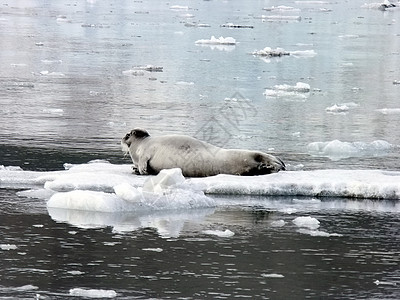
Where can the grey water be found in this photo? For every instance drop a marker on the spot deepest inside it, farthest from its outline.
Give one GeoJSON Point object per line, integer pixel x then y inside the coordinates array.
{"type": "Point", "coordinates": [74, 79]}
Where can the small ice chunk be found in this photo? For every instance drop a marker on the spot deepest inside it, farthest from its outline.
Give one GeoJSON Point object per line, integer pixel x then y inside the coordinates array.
{"type": "Point", "coordinates": [272, 275]}
{"type": "Point", "coordinates": [308, 222]}
{"type": "Point", "coordinates": [153, 249]}
{"type": "Point", "coordinates": [269, 52]}
{"type": "Point", "coordinates": [278, 223]}
{"type": "Point", "coordinates": [132, 72]}
{"type": "Point", "coordinates": [280, 18]}
{"type": "Point", "coordinates": [165, 179]}
{"type": "Point", "coordinates": [219, 233]}
{"type": "Point", "coordinates": [8, 247]}
{"type": "Point", "coordinates": [217, 41]}
{"type": "Point", "coordinates": [318, 233]}
{"type": "Point", "coordinates": [300, 87]}
{"type": "Point", "coordinates": [389, 111]}
{"type": "Point", "coordinates": [179, 7]}
{"type": "Point", "coordinates": [92, 293]}
{"type": "Point", "coordinates": [341, 108]}
{"type": "Point", "coordinates": [28, 287]}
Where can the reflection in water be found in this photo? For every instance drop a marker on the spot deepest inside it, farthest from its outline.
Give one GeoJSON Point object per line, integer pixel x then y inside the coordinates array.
{"type": "Point", "coordinates": [178, 254]}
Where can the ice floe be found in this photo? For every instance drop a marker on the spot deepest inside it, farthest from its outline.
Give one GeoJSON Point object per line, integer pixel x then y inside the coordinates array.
{"type": "Point", "coordinates": [117, 184]}
{"type": "Point", "coordinates": [337, 149]}
{"type": "Point", "coordinates": [164, 191]}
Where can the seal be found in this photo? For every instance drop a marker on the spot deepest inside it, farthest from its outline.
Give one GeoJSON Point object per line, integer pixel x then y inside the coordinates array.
{"type": "Point", "coordinates": [195, 158]}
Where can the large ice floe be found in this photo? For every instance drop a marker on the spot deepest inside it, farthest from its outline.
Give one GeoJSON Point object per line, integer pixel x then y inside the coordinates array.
{"type": "Point", "coordinates": [105, 187]}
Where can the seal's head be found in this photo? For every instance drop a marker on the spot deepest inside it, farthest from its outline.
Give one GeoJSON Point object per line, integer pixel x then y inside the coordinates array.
{"type": "Point", "coordinates": [133, 136]}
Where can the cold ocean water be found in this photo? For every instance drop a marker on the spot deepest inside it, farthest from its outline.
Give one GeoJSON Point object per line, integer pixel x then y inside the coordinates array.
{"type": "Point", "coordinates": [77, 76]}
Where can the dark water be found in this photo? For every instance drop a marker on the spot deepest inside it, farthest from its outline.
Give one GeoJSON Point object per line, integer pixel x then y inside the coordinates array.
{"type": "Point", "coordinates": [52, 257]}
{"type": "Point", "coordinates": [65, 98]}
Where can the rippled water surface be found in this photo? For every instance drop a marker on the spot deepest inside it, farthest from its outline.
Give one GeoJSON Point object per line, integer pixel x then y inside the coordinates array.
{"type": "Point", "coordinates": [76, 76]}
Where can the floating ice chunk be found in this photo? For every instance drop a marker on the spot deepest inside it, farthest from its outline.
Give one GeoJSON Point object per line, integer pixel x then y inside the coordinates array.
{"type": "Point", "coordinates": [132, 72]}
{"type": "Point", "coordinates": [378, 282]}
{"type": "Point", "coordinates": [218, 41]}
{"type": "Point", "coordinates": [55, 74]}
{"type": "Point", "coordinates": [308, 222]}
{"type": "Point", "coordinates": [128, 192]}
{"type": "Point", "coordinates": [231, 25]}
{"type": "Point", "coordinates": [148, 68]}
{"type": "Point", "coordinates": [28, 287]}
{"type": "Point", "coordinates": [219, 233]}
{"type": "Point", "coordinates": [54, 111]}
{"type": "Point", "coordinates": [337, 109]}
{"type": "Point", "coordinates": [336, 149]}
{"type": "Point", "coordinates": [281, 8]}
{"type": "Point", "coordinates": [195, 24]}
{"type": "Point", "coordinates": [385, 5]}
{"type": "Point", "coordinates": [300, 87]}
{"type": "Point", "coordinates": [272, 275]}
{"type": "Point", "coordinates": [269, 52]}
{"type": "Point", "coordinates": [153, 249]}
{"type": "Point", "coordinates": [92, 293]}
{"type": "Point", "coordinates": [317, 233]}
{"type": "Point", "coordinates": [303, 53]}
{"type": "Point", "coordinates": [389, 111]}
{"type": "Point", "coordinates": [299, 91]}
{"type": "Point", "coordinates": [179, 7]}
{"type": "Point", "coordinates": [278, 223]}
{"type": "Point", "coordinates": [8, 247]}
{"type": "Point", "coordinates": [50, 61]}
{"type": "Point", "coordinates": [184, 83]}
{"type": "Point", "coordinates": [281, 18]}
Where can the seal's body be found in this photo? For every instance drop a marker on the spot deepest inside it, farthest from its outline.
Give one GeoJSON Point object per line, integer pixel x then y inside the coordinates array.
{"type": "Point", "coordinates": [196, 158]}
